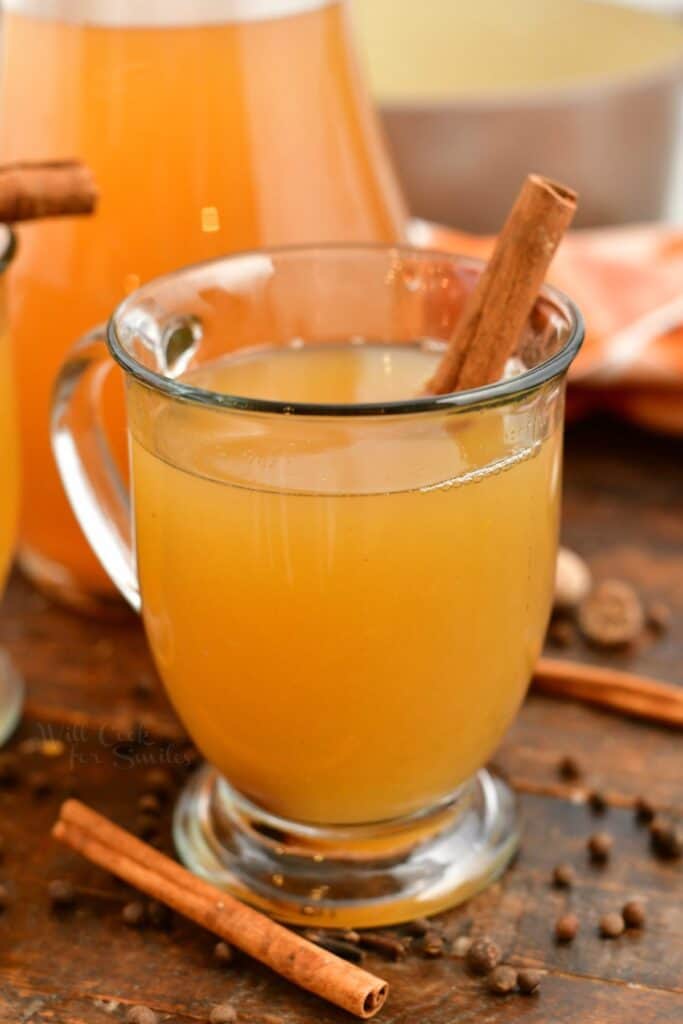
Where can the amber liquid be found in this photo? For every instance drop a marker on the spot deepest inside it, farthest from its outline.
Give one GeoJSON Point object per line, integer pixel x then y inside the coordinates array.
{"type": "Point", "coordinates": [204, 139]}
{"type": "Point", "coordinates": [345, 615]}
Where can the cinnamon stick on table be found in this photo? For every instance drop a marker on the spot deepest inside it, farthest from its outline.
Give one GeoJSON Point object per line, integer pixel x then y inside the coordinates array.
{"type": "Point", "coordinates": [633, 695]}
{"type": "Point", "coordinates": [498, 308]}
{"type": "Point", "coordinates": [292, 956]}
{"type": "Point", "coordinates": [53, 188]}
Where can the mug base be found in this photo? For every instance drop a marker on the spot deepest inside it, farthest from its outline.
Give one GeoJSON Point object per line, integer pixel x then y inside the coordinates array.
{"type": "Point", "coordinates": [347, 876]}
{"type": "Point", "coordinates": [11, 697]}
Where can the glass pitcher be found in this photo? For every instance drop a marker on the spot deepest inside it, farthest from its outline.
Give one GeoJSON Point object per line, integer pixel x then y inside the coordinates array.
{"type": "Point", "coordinates": [211, 126]}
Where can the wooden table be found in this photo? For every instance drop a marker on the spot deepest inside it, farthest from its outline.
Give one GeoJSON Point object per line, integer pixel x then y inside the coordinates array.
{"type": "Point", "coordinates": [623, 510]}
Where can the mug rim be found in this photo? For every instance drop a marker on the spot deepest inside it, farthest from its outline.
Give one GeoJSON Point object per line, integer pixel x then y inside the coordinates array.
{"type": "Point", "coordinates": [500, 391]}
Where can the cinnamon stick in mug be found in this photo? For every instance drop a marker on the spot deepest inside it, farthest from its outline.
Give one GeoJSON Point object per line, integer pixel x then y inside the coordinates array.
{"type": "Point", "coordinates": [495, 314]}
{"type": "Point", "coordinates": [52, 188]}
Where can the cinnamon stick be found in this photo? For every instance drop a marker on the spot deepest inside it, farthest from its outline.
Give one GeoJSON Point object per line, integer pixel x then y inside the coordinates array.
{"type": "Point", "coordinates": [633, 695]}
{"type": "Point", "coordinates": [300, 961]}
{"type": "Point", "coordinates": [53, 188]}
{"type": "Point", "coordinates": [497, 310]}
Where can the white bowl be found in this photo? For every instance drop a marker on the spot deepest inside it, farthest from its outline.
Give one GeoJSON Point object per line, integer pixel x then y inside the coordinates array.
{"type": "Point", "coordinates": [474, 96]}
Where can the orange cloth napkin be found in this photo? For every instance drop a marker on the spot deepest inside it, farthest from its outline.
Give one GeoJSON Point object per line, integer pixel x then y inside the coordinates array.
{"type": "Point", "coordinates": [628, 282]}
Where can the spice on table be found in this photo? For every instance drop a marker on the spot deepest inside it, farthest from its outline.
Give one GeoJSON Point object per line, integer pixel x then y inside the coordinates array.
{"type": "Point", "coordinates": [612, 614]}
{"type": "Point", "coordinates": [502, 980]}
{"type": "Point", "coordinates": [419, 927]}
{"type": "Point", "coordinates": [561, 633]}
{"type": "Point", "coordinates": [600, 847]}
{"type": "Point", "coordinates": [61, 892]}
{"type": "Point", "coordinates": [566, 927]}
{"type": "Point", "coordinates": [159, 915]}
{"type": "Point", "coordinates": [573, 580]}
{"type": "Point", "coordinates": [134, 914]}
{"type": "Point", "coordinates": [633, 695]}
{"type": "Point", "coordinates": [529, 981]}
{"type": "Point", "coordinates": [569, 768]}
{"type": "Point", "coordinates": [564, 876]}
{"type": "Point", "coordinates": [305, 964]}
{"type": "Point", "coordinates": [666, 839]}
{"type": "Point", "coordinates": [387, 945]}
{"type": "Point", "coordinates": [4, 897]}
{"type": "Point", "coordinates": [339, 947]}
{"type": "Point", "coordinates": [146, 826]}
{"type": "Point", "coordinates": [432, 945]}
{"type": "Point", "coordinates": [223, 953]}
{"type": "Point", "coordinates": [141, 1015]}
{"type": "Point", "coordinates": [659, 616]}
{"type": "Point", "coordinates": [611, 926]}
{"type": "Point", "coordinates": [158, 781]}
{"type": "Point", "coordinates": [461, 946]}
{"type": "Point", "coordinates": [150, 804]}
{"type": "Point", "coordinates": [482, 956]}
{"type": "Point", "coordinates": [633, 914]}
{"type": "Point", "coordinates": [597, 802]}
{"type": "Point", "coordinates": [644, 810]}
{"type": "Point", "coordinates": [224, 1013]}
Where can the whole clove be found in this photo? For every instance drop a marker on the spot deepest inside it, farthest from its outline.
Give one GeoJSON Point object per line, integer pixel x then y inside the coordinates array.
{"type": "Point", "coordinates": [568, 768]}
{"type": "Point", "coordinates": [134, 914]}
{"type": "Point", "coordinates": [597, 802]}
{"type": "Point", "coordinates": [666, 839]}
{"type": "Point", "coordinates": [387, 945]}
{"type": "Point", "coordinates": [346, 950]}
{"type": "Point", "coordinates": [223, 953]}
{"type": "Point", "coordinates": [644, 810]}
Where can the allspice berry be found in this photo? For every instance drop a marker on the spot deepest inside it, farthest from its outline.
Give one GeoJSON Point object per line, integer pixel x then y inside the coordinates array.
{"type": "Point", "coordinates": [600, 847]}
{"type": "Point", "coordinates": [611, 926]}
{"type": "Point", "coordinates": [528, 981]}
{"type": "Point", "coordinates": [482, 956]}
{"type": "Point", "coordinates": [566, 927]}
{"type": "Point", "coordinates": [134, 914]}
{"type": "Point", "coordinates": [61, 893]}
{"type": "Point", "coordinates": [502, 980]}
{"type": "Point", "coordinates": [633, 914]}
{"type": "Point", "coordinates": [223, 953]}
{"type": "Point", "coordinates": [564, 876]}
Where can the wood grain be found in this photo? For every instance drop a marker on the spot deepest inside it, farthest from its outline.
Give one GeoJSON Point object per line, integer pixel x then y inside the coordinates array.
{"type": "Point", "coordinates": [624, 498]}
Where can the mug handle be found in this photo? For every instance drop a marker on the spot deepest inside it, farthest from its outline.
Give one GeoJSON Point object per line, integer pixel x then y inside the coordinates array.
{"type": "Point", "coordinates": [93, 484]}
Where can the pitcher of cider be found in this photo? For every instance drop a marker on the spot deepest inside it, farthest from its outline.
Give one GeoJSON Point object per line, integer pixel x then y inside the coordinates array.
{"type": "Point", "coordinates": [211, 126]}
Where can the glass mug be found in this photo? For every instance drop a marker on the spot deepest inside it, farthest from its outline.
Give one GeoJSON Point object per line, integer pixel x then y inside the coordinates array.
{"type": "Point", "coordinates": [345, 587]}
{"type": "Point", "coordinates": [258, 131]}
{"type": "Point", "coordinates": [11, 686]}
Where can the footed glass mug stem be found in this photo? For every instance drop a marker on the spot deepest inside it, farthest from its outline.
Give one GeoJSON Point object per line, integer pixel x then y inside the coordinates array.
{"type": "Point", "coordinates": [98, 495]}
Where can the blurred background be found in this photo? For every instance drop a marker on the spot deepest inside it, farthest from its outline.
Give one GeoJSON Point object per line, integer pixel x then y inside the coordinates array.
{"type": "Point", "coordinates": [473, 96]}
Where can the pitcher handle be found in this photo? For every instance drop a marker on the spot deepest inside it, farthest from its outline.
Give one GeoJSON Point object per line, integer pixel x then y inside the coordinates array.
{"type": "Point", "coordinates": [96, 492]}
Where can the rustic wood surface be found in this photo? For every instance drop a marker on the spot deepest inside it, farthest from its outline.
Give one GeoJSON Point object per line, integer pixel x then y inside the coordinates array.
{"type": "Point", "coordinates": [88, 687]}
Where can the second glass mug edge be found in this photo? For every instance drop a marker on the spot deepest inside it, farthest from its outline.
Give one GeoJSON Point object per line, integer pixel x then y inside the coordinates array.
{"type": "Point", "coordinates": [555, 366]}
